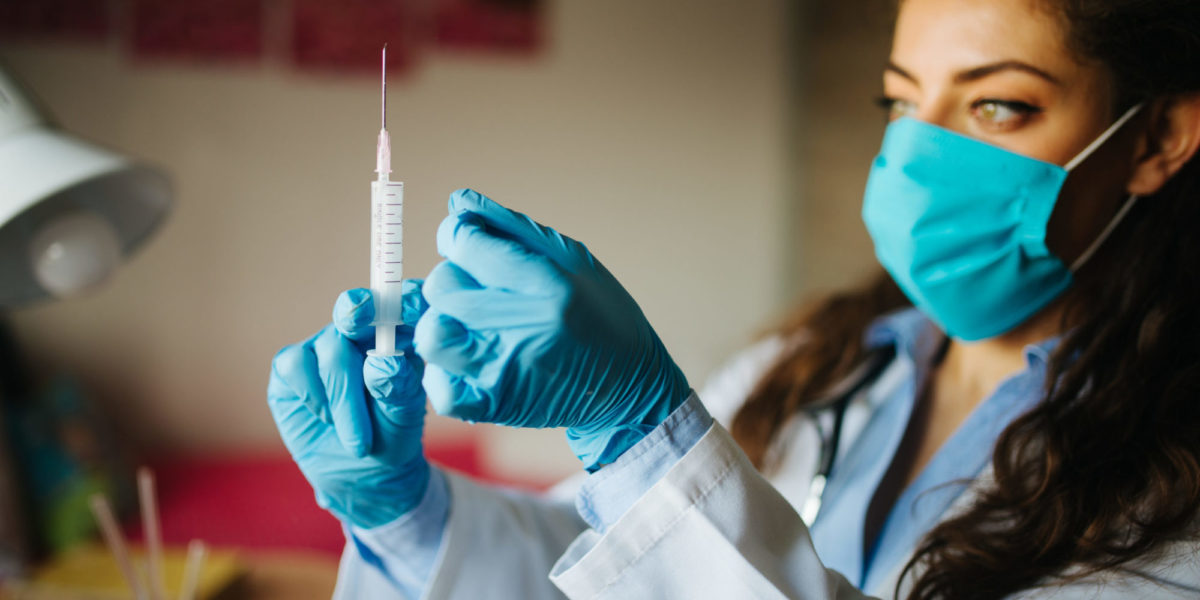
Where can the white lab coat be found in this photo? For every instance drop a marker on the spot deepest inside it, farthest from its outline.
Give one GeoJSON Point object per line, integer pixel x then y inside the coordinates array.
{"type": "Point", "coordinates": [713, 527]}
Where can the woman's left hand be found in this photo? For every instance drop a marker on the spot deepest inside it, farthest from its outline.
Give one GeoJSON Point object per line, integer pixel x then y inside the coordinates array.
{"type": "Point", "coordinates": [526, 328]}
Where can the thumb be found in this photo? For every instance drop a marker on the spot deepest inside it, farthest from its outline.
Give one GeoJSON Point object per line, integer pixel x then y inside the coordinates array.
{"type": "Point", "coordinates": [394, 383]}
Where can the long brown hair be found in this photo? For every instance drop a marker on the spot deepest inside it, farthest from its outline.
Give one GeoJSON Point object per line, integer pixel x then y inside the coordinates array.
{"type": "Point", "coordinates": [1107, 467]}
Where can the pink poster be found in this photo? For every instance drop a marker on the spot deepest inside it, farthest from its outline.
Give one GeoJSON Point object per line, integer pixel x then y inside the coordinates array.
{"type": "Point", "coordinates": [346, 36]}
{"type": "Point", "coordinates": [200, 29]}
{"type": "Point", "coordinates": [62, 19]}
{"type": "Point", "coordinates": [489, 25]}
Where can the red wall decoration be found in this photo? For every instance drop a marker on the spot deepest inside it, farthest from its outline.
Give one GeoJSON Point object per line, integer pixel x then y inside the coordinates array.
{"type": "Point", "coordinates": [489, 25]}
{"type": "Point", "coordinates": [316, 35]}
{"type": "Point", "coordinates": [347, 35]}
{"type": "Point", "coordinates": [207, 29]}
{"type": "Point", "coordinates": [65, 19]}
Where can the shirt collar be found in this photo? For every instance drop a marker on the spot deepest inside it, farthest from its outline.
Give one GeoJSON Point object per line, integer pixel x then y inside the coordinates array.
{"type": "Point", "coordinates": [907, 329]}
{"type": "Point", "coordinates": [914, 335]}
{"type": "Point", "coordinates": [1038, 355]}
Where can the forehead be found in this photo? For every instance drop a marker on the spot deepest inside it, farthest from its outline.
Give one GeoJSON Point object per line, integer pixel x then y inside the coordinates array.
{"type": "Point", "coordinates": [956, 34]}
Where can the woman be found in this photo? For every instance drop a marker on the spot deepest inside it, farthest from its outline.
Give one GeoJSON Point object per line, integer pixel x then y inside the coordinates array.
{"type": "Point", "coordinates": [1029, 429]}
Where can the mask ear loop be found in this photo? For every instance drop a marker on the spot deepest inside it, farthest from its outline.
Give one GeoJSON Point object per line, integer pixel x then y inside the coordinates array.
{"type": "Point", "coordinates": [1082, 156]}
{"type": "Point", "coordinates": [1120, 216]}
{"type": "Point", "coordinates": [1112, 226]}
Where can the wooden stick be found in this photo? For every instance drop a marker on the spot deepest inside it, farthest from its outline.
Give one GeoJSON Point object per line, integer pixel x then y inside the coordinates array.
{"type": "Point", "coordinates": [192, 570]}
{"type": "Point", "coordinates": [116, 544]}
{"type": "Point", "coordinates": [151, 526]}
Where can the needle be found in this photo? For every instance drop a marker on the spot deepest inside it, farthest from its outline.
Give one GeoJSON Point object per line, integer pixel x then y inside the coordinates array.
{"type": "Point", "coordinates": [383, 85]}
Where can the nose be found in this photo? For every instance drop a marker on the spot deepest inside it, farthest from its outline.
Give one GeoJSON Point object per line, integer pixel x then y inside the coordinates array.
{"type": "Point", "coordinates": [936, 111]}
{"type": "Point", "coordinates": [946, 112]}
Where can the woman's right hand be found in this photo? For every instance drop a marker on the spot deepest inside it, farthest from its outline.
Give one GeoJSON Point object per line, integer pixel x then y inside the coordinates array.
{"type": "Point", "coordinates": [361, 453]}
{"type": "Point", "coordinates": [526, 328]}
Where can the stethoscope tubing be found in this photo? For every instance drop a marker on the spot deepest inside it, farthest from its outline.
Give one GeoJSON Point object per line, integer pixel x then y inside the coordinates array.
{"type": "Point", "coordinates": [837, 401]}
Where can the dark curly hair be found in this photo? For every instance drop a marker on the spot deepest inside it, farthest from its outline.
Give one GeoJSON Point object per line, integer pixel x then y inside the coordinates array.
{"type": "Point", "coordinates": [1106, 468]}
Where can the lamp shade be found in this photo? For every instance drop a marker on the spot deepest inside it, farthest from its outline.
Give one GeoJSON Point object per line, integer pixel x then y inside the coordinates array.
{"type": "Point", "coordinates": [69, 210]}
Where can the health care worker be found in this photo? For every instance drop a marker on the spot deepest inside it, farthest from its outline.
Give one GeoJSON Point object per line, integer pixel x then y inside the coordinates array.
{"type": "Point", "coordinates": [1028, 427]}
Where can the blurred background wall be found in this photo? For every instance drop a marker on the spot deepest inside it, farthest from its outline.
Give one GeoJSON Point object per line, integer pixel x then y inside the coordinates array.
{"type": "Point", "coordinates": [711, 153]}
{"type": "Point", "coordinates": [843, 47]}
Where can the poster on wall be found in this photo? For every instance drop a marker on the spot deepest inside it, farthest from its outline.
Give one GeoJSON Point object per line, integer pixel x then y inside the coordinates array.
{"type": "Point", "coordinates": [346, 36]}
{"type": "Point", "coordinates": [320, 35]}
{"type": "Point", "coordinates": [489, 25]}
{"type": "Point", "coordinates": [83, 20]}
{"type": "Point", "coordinates": [212, 30]}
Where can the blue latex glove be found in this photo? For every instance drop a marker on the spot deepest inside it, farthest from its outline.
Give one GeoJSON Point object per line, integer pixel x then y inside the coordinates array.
{"type": "Point", "coordinates": [362, 454]}
{"type": "Point", "coordinates": [526, 328]}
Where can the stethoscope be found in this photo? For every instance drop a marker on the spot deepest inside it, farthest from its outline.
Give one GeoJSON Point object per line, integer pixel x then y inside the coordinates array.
{"type": "Point", "coordinates": [836, 401]}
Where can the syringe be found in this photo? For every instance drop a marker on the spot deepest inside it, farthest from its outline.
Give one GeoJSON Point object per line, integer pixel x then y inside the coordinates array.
{"type": "Point", "coordinates": [387, 237]}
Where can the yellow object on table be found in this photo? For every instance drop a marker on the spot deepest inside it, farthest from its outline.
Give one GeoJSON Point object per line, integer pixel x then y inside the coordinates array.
{"type": "Point", "coordinates": [91, 573]}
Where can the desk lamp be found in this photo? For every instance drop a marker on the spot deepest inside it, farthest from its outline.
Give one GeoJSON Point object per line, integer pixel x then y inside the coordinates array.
{"type": "Point", "coordinates": [70, 211]}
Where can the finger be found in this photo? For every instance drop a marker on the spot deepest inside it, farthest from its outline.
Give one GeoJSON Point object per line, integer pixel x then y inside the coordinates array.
{"type": "Point", "coordinates": [404, 338]}
{"type": "Point", "coordinates": [354, 311]}
{"type": "Point", "coordinates": [394, 383]}
{"type": "Point", "coordinates": [447, 277]}
{"type": "Point", "coordinates": [454, 293]}
{"type": "Point", "coordinates": [339, 363]}
{"type": "Point", "coordinates": [413, 307]}
{"type": "Point", "coordinates": [494, 261]}
{"type": "Point", "coordinates": [507, 223]}
{"type": "Point", "coordinates": [353, 314]}
{"type": "Point", "coordinates": [412, 300]}
{"type": "Point", "coordinates": [443, 341]}
{"type": "Point", "coordinates": [297, 425]}
{"type": "Point", "coordinates": [295, 368]}
{"type": "Point", "coordinates": [451, 396]}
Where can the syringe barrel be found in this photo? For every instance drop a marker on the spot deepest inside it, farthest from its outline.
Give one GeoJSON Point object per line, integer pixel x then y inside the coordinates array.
{"type": "Point", "coordinates": [387, 260]}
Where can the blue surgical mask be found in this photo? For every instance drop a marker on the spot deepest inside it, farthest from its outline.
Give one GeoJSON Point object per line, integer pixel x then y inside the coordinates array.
{"type": "Point", "coordinates": [961, 226]}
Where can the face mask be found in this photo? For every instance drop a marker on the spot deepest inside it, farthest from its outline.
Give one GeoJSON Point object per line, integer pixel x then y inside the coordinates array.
{"type": "Point", "coordinates": [961, 226]}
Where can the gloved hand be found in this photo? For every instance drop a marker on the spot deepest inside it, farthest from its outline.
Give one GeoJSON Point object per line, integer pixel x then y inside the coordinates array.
{"type": "Point", "coordinates": [526, 328]}
{"type": "Point", "coordinates": [361, 454]}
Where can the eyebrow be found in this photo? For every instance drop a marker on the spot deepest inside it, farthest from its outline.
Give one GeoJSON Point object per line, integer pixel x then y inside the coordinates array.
{"type": "Point", "coordinates": [977, 73]}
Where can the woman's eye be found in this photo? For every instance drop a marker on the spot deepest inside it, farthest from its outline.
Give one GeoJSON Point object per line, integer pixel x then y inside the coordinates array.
{"type": "Point", "coordinates": [896, 108]}
{"type": "Point", "coordinates": [1002, 113]}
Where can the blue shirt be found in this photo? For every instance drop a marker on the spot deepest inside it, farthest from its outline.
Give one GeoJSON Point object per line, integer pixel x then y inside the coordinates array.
{"type": "Point", "coordinates": [837, 532]}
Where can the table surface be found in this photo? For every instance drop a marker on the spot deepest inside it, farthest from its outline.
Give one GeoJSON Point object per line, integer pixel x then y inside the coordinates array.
{"type": "Point", "coordinates": [284, 576]}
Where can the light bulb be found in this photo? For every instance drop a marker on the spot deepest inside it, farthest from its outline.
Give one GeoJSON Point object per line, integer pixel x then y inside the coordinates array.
{"type": "Point", "coordinates": [74, 252]}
